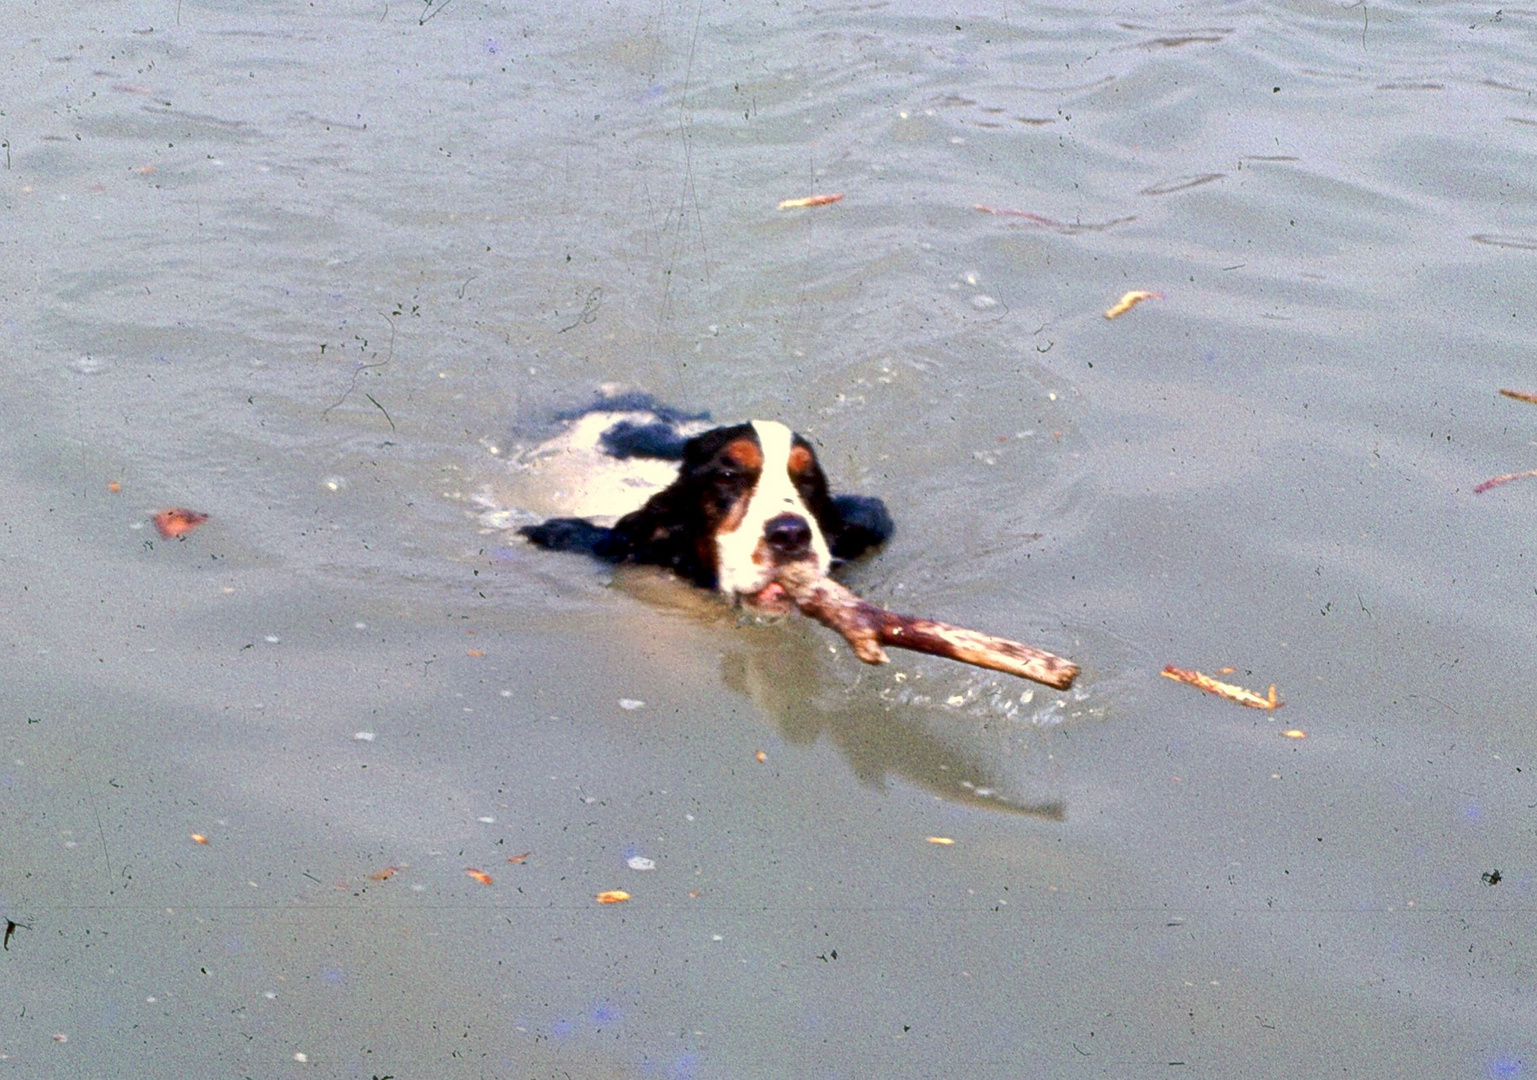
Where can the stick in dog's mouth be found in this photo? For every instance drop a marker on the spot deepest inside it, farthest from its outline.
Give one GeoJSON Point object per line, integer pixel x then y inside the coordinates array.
{"type": "Point", "coordinates": [867, 627]}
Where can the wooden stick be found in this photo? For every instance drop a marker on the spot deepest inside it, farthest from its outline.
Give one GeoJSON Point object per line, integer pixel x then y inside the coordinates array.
{"type": "Point", "coordinates": [1504, 479]}
{"type": "Point", "coordinates": [867, 627]}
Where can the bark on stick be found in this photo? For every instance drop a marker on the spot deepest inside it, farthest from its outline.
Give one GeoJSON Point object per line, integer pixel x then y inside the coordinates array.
{"type": "Point", "coordinates": [867, 627]}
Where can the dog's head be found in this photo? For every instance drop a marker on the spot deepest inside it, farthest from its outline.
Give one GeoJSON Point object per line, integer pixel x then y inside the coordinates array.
{"type": "Point", "coordinates": [764, 504]}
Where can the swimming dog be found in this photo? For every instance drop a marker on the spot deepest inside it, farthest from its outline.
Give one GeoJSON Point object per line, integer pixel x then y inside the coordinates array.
{"type": "Point", "coordinates": [747, 500]}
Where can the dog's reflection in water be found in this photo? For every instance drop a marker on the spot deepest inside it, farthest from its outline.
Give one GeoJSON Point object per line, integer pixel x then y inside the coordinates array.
{"type": "Point", "coordinates": [787, 671]}
{"type": "Point", "coordinates": [784, 671]}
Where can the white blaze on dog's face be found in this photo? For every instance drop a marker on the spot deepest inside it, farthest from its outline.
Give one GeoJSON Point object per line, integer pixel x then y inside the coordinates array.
{"type": "Point", "coordinates": [772, 526]}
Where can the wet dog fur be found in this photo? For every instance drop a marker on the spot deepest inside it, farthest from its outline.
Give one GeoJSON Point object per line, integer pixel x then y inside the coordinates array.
{"type": "Point", "coordinates": [747, 500]}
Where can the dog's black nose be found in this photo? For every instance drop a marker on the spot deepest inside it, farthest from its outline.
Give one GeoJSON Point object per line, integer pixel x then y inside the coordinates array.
{"type": "Point", "coordinates": [788, 535]}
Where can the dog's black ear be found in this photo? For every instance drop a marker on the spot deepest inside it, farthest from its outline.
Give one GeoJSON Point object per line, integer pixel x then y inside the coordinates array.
{"type": "Point", "coordinates": [569, 534]}
{"type": "Point", "coordinates": [664, 532]}
{"type": "Point", "coordinates": [863, 523]}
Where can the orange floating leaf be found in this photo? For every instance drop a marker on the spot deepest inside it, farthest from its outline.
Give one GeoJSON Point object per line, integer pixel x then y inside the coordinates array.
{"type": "Point", "coordinates": [114, 487]}
{"type": "Point", "coordinates": [1222, 689]}
{"type": "Point", "coordinates": [1129, 301]}
{"type": "Point", "coordinates": [1295, 733]}
{"type": "Point", "coordinates": [612, 896]}
{"type": "Point", "coordinates": [1503, 479]}
{"type": "Point", "coordinates": [479, 875]}
{"type": "Point", "coordinates": [474, 652]}
{"type": "Point", "coordinates": [178, 521]}
{"type": "Point", "coordinates": [199, 838]}
{"type": "Point", "coordinates": [1520, 395]}
{"type": "Point", "coordinates": [943, 841]}
{"type": "Point", "coordinates": [519, 858]}
{"type": "Point", "coordinates": [760, 757]}
{"type": "Point", "coordinates": [810, 200]}
{"type": "Point", "coordinates": [385, 874]}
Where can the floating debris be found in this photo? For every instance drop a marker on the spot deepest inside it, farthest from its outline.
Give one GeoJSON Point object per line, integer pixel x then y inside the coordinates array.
{"type": "Point", "coordinates": [1506, 478]}
{"type": "Point", "coordinates": [479, 875]}
{"type": "Point", "coordinates": [1518, 243]}
{"type": "Point", "coordinates": [640, 862]}
{"type": "Point", "coordinates": [178, 521]}
{"type": "Point", "coordinates": [1068, 228]}
{"type": "Point", "coordinates": [943, 841]}
{"type": "Point", "coordinates": [612, 896]}
{"type": "Point", "coordinates": [1181, 183]}
{"type": "Point", "coordinates": [810, 200]}
{"type": "Point", "coordinates": [1129, 301]}
{"type": "Point", "coordinates": [1222, 689]}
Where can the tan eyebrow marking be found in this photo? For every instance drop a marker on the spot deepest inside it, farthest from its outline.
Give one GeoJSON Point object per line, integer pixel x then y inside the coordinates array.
{"type": "Point", "coordinates": [801, 460]}
{"type": "Point", "coordinates": [744, 453]}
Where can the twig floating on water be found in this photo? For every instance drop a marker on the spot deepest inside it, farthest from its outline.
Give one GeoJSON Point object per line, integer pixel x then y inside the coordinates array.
{"type": "Point", "coordinates": [1067, 227]}
{"type": "Point", "coordinates": [1521, 395]}
{"type": "Point", "coordinates": [1129, 301]}
{"type": "Point", "coordinates": [1496, 481]}
{"type": "Point", "coordinates": [1222, 689]}
{"type": "Point", "coordinates": [810, 200]}
{"type": "Point", "coordinates": [1181, 183]}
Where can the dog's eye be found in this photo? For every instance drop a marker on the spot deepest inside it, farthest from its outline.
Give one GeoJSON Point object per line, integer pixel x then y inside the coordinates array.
{"type": "Point", "coordinates": [730, 482]}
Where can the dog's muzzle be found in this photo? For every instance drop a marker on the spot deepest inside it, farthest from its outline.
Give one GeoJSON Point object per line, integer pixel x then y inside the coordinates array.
{"type": "Point", "coordinates": [788, 539]}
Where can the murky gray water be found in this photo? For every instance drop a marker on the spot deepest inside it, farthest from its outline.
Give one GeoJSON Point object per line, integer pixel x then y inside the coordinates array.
{"type": "Point", "coordinates": [320, 271]}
